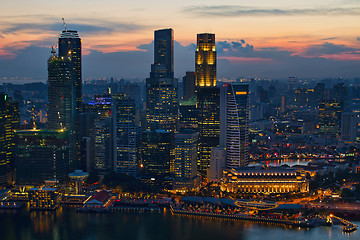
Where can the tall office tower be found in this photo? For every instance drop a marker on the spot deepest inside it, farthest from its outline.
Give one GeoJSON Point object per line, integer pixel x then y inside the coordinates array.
{"type": "Point", "coordinates": [62, 99]}
{"type": "Point", "coordinates": [208, 107]}
{"type": "Point", "coordinates": [330, 117]}
{"type": "Point", "coordinates": [189, 85]}
{"type": "Point", "coordinates": [70, 46]}
{"type": "Point", "coordinates": [235, 122]}
{"type": "Point", "coordinates": [126, 135]}
{"type": "Point", "coordinates": [164, 51]}
{"type": "Point", "coordinates": [103, 147]}
{"type": "Point", "coordinates": [349, 124]}
{"type": "Point", "coordinates": [161, 87]}
{"type": "Point", "coordinates": [100, 105]}
{"type": "Point", "coordinates": [205, 60]}
{"type": "Point", "coordinates": [41, 155]}
{"type": "Point", "coordinates": [157, 156]}
{"type": "Point", "coordinates": [185, 163]}
{"type": "Point", "coordinates": [9, 122]}
{"type": "Point", "coordinates": [188, 114]}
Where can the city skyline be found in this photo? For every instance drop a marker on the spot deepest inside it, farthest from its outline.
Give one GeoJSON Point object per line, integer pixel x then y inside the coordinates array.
{"type": "Point", "coordinates": [309, 40]}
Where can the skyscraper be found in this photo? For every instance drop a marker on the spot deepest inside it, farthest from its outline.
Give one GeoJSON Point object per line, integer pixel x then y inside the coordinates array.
{"type": "Point", "coordinates": [189, 85]}
{"type": "Point", "coordinates": [9, 122]}
{"type": "Point", "coordinates": [126, 135]}
{"type": "Point", "coordinates": [70, 46]}
{"type": "Point", "coordinates": [205, 60]}
{"type": "Point", "coordinates": [330, 117]}
{"type": "Point", "coordinates": [41, 155]}
{"type": "Point", "coordinates": [208, 109]}
{"type": "Point", "coordinates": [161, 87]}
{"type": "Point", "coordinates": [208, 99]}
{"type": "Point", "coordinates": [164, 51]}
{"type": "Point", "coordinates": [62, 99]}
{"type": "Point", "coordinates": [235, 122]}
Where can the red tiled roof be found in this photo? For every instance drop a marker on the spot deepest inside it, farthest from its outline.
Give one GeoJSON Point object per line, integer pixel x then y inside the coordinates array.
{"type": "Point", "coordinates": [100, 196]}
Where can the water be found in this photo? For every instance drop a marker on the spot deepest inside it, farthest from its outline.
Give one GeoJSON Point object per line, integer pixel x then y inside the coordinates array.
{"type": "Point", "coordinates": [65, 223]}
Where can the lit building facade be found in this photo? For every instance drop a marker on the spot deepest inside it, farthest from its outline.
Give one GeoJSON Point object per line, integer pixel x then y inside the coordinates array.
{"type": "Point", "coordinates": [127, 135]}
{"type": "Point", "coordinates": [188, 114]}
{"type": "Point", "coordinates": [208, 110]}
{"type": "Point", "coordinates": [157, 156]}
{"type": "Point", "coordinates": [330, 117]}
{"type": "Point", "coordinates": [185, 163]}
{"type": "Point", "coordinates": [161, 87]}
{"type": "Point", "coordinates": [205, 60]}
{"type": "Point", "coordinates": [43, 198]}
{"type": "Point", "coordinates": [217, 164]}
{"type": "Point", "coordinates": [41, 155]}
{"type": "Point", "coordinates": [103, 147]}
{"type": "Point", "coordinates": [101, 105]}
{"type": "Point", "coordinates": [264, 181]}
{"type": "Point", "coordinates": [235, 117]}
{"type": "Point", "coordinates": [9, 122]}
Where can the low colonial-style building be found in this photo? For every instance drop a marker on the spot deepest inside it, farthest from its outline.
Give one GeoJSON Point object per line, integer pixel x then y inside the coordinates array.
{"type": "Point", "coordinates": [43, 198]}
{"type": "Point", "coordinates": [266, 181]}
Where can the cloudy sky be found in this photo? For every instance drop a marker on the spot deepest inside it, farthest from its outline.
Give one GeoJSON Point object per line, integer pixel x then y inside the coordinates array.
{"type": "Point", "coordinates": [258, 38]}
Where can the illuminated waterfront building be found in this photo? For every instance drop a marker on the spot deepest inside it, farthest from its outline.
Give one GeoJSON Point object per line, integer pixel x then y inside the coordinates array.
{"type": "Point", "coordinates": [41, 155]}
{"type": "Point", "coordinates": [185, 163]}
{"type": "Point", "coordinates": [9, 122]}
{"type": "Point", "coordinates": [235, 123]}
{"type": "Point", "coordinates": [78, 177]}
{"type": "Point", "coordinates": [205, 60]}
{"type": "Point", "coordinates": [43, 198]}
{"type": "Point", "coordinates": [264, 181]}
{"type": "Point", "coordinates": [208, 110]}
{"type": "Point", "coordinates": [330, 117]}
{"type": "Point", "coordinates": [126, 135]}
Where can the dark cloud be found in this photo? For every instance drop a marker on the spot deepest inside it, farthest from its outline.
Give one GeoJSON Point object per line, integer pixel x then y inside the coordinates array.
{"type": "Point", "coordinates": [329, 49]}
{"type": "Point", "coordinates": [330, 38]}
{"type": "Point", "coordinates": [237, 11]}
{"type": "Point", "coordinates": [32, 62]}
{"type": "Point", "coordinates": [92, 26]}
{"type": "Point", "coordinates": [358, 38]}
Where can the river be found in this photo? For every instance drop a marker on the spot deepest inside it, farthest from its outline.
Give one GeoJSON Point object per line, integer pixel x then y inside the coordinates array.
{"type": "Point", "coordinates": [65, 223]}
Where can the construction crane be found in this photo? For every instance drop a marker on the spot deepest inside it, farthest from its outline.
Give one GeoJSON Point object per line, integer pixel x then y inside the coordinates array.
{"type": "Point", "coordinates": [63, 20]}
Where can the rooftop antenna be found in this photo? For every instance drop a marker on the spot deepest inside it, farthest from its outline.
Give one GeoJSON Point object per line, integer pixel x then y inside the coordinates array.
{"type": "Point", "coordinates": [63, 20]}
{"type": "Point", "coordinates": [53, 52]}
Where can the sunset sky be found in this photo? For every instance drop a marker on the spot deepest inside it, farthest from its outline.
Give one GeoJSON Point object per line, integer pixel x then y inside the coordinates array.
{"type": "Point", "coordinates": [259, 38]}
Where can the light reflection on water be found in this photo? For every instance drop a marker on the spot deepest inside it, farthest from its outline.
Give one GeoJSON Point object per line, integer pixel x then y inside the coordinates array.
{"type": "Point", "coordinates": [65, 223]}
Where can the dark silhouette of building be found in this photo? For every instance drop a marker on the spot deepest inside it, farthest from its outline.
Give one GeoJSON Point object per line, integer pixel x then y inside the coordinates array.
{"type": "Point", "coordinates": [9, 122]}
{"type": "Point", "coordinates": [41, 155]}
{"type": "Point", "coordinates": [189, 85]}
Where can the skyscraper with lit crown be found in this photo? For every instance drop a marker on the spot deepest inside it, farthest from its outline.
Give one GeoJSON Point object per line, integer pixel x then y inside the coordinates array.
{"type": "Point", "coordinates": [205, 60]}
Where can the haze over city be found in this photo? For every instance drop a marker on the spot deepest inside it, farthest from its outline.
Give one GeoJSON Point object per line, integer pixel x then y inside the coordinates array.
{"type": "Point", "coordinates": [258, 39]}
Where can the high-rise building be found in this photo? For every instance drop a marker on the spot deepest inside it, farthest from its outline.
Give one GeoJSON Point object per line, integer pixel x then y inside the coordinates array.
{"type": "Point", "coordinates": [164, 52]}
{"type": "Point", "coordinates": [208, 110]}
{"type": "Point", "coordinates": [70, 47]}
{"type": "Point", "coordinates": [235, 123]}
{"type": "Point", "coordinates": [161, 87]}
{"type": "Point", "coordinates": [157, 156]}
{"type": "Point", "coordinates": [126, 135]}
{"type": "Point", "coordinates": [189, 85]}
{"type": "Point", "coordinates": [41, 155]}
{"type": "Point", "coordinates": [330, 117]}
{"type": "Point", "coordinates": [185, 163]}
{"type": "Point", "coordinates": [205, 60]}
{"type": "Point", "coordinates": [349, 124]}
{"type": "Point", "coordinates": [62, 99]}
{"type": "Point", "coordinates": [9, 122]}
{"type": "Point", "coordinates": [188, 114]}
{"type": "Point", "coordinates": [217, 164]}
{"type": "Point", "coordinates": [103, 147]}
{"type": "Point", "coordinates": [101, 105]}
